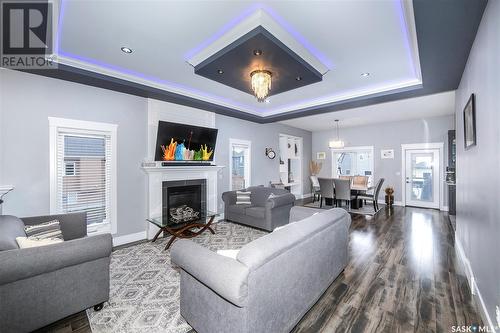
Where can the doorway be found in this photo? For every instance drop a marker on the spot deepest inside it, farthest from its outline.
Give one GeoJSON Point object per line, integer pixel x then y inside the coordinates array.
{"type": "Point", "coordinates": [422, 175]}
{"type": "Point", "coordinates": [239, 164]}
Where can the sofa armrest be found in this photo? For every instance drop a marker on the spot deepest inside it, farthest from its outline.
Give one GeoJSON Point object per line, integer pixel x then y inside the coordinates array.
{"type": "Point", "coordinates": [226, 276]}
{"type": "Point", "coordinates": [73, 225]}
{"type": "Point", "coordinates": [281, 200]}
{"type": "Point", "coordinates": [229, 197]}
{"type": "Point", "coordinates": [24, 263]}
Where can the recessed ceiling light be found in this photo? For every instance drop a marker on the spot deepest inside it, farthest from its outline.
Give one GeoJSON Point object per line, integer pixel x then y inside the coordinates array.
{"type": "Point", "coordinates": [257, 52]}
{"type": "Point", "coordinates": [298, 78]}
{"type": "Point", "coordinates": [220, 71]}
{"type": "Point", "coordinates": [365, 74]}
{"type": "Point", "coordinates": [126, 49]}
{"type": "Point", "coordinates": [267, 100]}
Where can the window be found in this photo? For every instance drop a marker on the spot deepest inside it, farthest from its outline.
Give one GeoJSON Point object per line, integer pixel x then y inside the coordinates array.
{"type": "Point", "coordinates": [83, 171]}
{"type": "Point", "coordinates": [239, 164]}
{"type": "Point", "coordinates": [353, 161]}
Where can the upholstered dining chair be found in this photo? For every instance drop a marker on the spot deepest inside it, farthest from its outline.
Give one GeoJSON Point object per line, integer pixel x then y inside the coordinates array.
{"type": "Point", "coordinates": [315, 188]}
{"type": "Point", "coordinates": [345, 177]}
{"type": "Point", "coordinates": [373, 196]}
{"type": "Point", "coordinates": [326, 190]}
{"type": "Point", "coordinates": [343, 190]}
{"type": "Point", "coordinates": [360, 181]}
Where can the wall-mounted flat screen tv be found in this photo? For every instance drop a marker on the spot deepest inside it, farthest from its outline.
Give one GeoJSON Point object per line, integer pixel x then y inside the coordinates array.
{"type": "Point", "coordinates": [180, 142]}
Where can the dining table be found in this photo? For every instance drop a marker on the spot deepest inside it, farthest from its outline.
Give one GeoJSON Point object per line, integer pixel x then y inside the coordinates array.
{"type": "Point", "coordinates": [358, 189]}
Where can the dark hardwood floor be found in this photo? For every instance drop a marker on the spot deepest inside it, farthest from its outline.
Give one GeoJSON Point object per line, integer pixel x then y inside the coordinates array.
{"type": "Point", "coordinates": [402, 276]}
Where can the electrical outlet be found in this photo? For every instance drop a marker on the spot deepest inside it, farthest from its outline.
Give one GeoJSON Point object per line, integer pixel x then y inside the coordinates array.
{"type": "Point", "coordinates": [498, 316]}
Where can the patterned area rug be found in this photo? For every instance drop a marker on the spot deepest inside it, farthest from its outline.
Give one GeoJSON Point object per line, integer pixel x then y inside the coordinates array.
{"type": "Point", "coordinates": [367, 209]}
{"type": "Point", "coordinates": [144, 295]}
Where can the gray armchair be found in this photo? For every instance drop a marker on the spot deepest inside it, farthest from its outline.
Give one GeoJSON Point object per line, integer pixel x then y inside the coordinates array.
{"type": "Point", "coordinates": [41, 285]}
{"type": "Point", "coordinates": [263, 212]}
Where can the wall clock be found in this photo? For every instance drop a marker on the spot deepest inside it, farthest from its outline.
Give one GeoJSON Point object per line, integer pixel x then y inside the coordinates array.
{"type": "Point", "coordinates": [270, 153]}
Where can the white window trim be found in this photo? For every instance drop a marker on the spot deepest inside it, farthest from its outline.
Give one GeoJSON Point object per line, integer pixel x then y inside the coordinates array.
{"type": "Point", "coordinates": [84, 127]}
{"type": "Point", "coordinates": [248, 171]}
{"type": "Point", "coordinates": [352, 149]}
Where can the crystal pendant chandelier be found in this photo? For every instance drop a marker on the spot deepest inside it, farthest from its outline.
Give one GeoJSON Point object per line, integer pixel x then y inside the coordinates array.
{"type": "Point", "coordinates": [261, 84]}
{"type": "Point", "coordinates": [336, 144]}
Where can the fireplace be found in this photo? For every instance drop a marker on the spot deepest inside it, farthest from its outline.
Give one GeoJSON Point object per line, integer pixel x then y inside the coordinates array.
{"type": "Point", "coordinates": [183, 200]}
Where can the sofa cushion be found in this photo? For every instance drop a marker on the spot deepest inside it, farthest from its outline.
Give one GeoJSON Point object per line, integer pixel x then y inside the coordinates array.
{"type": "Point", "coordinates": [27, 242]}
{"type": "Point", "coordinates": [243, 197]}
{"type": "Point", "coordinates": [257, 212]}
{"type": "Point", "coordinates": [10, 228]}
{"type": "Point", "coordinates": [45, 230]}
{"type": "Point", "coordinates": [237, 209]}
{"type": "Point", "coordinates": [260, 194]}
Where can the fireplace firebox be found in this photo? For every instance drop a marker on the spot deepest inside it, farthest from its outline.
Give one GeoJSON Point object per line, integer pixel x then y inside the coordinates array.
{"type": "Point", "coordinates": [183, 200]}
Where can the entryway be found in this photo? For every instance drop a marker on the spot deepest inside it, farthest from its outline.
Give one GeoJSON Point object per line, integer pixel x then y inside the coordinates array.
{"type": "Point", "coordinates": [422, 171]}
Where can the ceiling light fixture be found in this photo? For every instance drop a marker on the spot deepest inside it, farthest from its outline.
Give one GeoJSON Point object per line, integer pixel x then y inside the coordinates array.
{"type": "Point", "coordinates": [336, 144]}
{"type": "Point", "coordinates": [126, 49]}
{"type": "Point", "coordinates": [257, 52]}
{"type": "Point", "coordinates": [365, 74]}
{"type": "Point", "coordinates": [220, 71]}
{"type": "Point", "coordinates": [298, 78]}
{"type": "Point", "coordinates": [261, 84]}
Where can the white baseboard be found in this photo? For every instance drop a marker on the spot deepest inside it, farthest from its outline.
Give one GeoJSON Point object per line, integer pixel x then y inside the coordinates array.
{"type": "Point", "coordinates": [444, 209]}
{"type": "Point", "coordinates": [130, 238]}
{"type": "Point", "coordinates": [464, 261]}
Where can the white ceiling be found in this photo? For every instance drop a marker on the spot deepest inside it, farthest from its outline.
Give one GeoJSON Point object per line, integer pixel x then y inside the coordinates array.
{"type": "Point", "coordinates": [349, 37]}
{"type": "Point", "coordinates": [412, 108]}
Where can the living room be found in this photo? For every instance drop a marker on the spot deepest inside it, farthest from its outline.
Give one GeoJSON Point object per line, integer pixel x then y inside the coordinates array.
{"type": "Point", "coordinates": [196, 184]}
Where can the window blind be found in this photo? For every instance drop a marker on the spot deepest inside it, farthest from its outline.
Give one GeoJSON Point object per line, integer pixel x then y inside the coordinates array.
{"type": "Point", "coordinates": [87, 188]}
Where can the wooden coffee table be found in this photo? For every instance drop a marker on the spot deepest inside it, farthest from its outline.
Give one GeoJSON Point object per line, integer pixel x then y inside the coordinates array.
{"type": "Point", "coordinates": [183, 229]}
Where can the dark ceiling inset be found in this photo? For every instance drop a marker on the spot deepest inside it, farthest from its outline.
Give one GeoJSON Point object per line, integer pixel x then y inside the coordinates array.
{"type": "Point", "coordinates": [233, 64]}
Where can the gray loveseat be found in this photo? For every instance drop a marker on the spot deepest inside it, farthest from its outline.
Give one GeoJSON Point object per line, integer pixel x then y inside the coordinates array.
{"type": "Point", "coordinates": [264, 212]}
{"type": "Point", "coordinates": [273, 281]}
{"type": "Point", "coordinates": [41, 285]}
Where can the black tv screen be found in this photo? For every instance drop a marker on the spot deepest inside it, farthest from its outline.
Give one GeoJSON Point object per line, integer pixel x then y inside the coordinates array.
{"type": "Point", "coordinates": [180, 142]}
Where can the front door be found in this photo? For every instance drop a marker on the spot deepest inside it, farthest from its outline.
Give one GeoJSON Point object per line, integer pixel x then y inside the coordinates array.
{"type": "Point", "coordinates": [422, 178]}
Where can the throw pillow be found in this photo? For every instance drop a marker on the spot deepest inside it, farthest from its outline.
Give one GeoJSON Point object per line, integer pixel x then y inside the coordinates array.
{"type": "Point", "coordinates": [243, 198]}
{"type": "Point", "coordinates": [26, 242]}
{"type": "Point", "coordinates": [228, 253]}
{"type": "Point", "coordinates": [46, 230]}
{"type": "Point", "coordinates": [10, 228]}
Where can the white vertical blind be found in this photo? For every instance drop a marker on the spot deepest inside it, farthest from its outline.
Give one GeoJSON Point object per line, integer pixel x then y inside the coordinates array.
{"type": "Point", "coordinates": [86, 186]}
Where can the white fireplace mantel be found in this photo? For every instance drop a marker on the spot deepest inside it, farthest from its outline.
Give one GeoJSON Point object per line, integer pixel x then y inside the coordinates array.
{"type": "Point", "coordinates": [157, 175]}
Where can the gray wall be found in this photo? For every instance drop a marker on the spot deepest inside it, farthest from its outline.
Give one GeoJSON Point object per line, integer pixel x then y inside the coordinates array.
{"type": "Point", "coordinates": [385, 136]}
{"type": "Point", "coordinates": [261, 136]}
{"type": "Point", "coordinates": [27, 102]}
{"type": "Point", "coordinates": [478, 183]}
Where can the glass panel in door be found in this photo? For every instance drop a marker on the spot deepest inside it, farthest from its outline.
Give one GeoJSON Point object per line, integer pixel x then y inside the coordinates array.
{"type": "Point", "coordinates": [422, 178]}
{"type": "Point", "coordinates": [240, 167]}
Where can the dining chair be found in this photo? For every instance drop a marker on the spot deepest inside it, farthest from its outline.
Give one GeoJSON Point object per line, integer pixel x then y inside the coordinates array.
{"type": "Point", "coordinates": [345, 177]}
{"type": "Point", "coordinates": [326, 190]}
{"type": "Point", "coordinates": [373, 196]}
{"type": "Point", "coordinates": [343, 190]}
{"type": "Point", "coordinates": [315, 187]}
{"type": "Point", "coordinates": [361, 181]}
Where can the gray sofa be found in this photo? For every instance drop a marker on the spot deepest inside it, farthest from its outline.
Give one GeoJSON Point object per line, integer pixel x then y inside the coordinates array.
{"type": "Point", "coordinates": [263, 213]}
{"type": "Point", "coordinates": [273, 281]}
{"type": "Point", "coordinates": [41, 285]}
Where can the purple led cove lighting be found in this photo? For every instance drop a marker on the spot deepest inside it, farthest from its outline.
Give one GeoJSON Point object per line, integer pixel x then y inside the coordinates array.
{"type": "Point", "coordinates": [59, 24]}
{"type": "Point", "coordinates": [280, 20]}
{"type": "Point", "coordinates": [406, 37]}
{"type": "Point", "coordinates": [170, 84]}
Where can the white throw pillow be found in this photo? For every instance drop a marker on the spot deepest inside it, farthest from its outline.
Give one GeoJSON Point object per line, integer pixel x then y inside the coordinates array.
{"type": "Point", "coordinates": [243, 198]}
{"type": "Point", "coordinates": [228, 253]}
{"type": "Point", "coordinates": [25, 242]}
